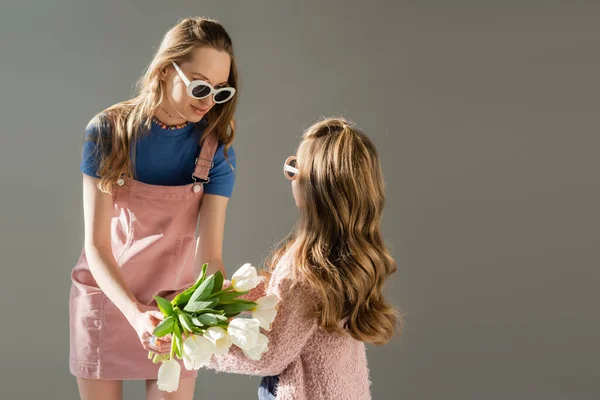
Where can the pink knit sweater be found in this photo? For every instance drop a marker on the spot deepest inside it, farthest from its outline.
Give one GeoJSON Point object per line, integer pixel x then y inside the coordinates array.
{"type": "Point", "coordinates": [311, 363]}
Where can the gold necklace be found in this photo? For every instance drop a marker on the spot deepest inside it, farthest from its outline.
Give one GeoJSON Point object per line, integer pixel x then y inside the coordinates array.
{"type": "Point", "coordinates": [170, 116]}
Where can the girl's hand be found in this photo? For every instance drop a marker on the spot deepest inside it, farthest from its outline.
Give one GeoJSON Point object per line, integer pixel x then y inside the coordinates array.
{"type": "Point", "coordinates": [144, 323]}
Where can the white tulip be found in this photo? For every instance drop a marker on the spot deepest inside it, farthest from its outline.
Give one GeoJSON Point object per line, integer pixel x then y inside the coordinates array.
{"type": "Point", "coordinates": [244, 332]}
{"type": "Point", "coordinates": [244, 279]}
{"type": "Point", "coordinates": [168, 376]}
{"type": "Point", "coordinates": [266, 310]}
{"type": "Point", "coordinates": [219, 339]}
{"type": "Point", "coordinates": [262, 345]}
{"type": "Point", "coordinates": [197, 351]}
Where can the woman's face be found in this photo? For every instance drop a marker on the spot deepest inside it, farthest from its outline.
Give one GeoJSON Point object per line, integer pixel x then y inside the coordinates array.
{"type": "Point", "coordinates": [206, 64]}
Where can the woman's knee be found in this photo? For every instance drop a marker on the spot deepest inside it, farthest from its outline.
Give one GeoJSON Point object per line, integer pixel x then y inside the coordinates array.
{"type": "Point", "coordinates": [184, 392]}
{"type": "Point", "coordinates": [100, 389]}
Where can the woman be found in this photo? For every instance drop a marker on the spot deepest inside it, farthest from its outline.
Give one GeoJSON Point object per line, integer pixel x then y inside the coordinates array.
{"type": "Point", "coordinates": [155, 168]}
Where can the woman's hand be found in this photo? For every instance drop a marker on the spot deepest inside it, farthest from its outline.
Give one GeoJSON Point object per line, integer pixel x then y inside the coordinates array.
{"type": "Point", "coordinates": [144, 322]}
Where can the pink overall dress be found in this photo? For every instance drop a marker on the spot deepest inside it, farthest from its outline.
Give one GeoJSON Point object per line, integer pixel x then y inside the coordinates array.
{"type": "Point", "coordinates": [153, 241]}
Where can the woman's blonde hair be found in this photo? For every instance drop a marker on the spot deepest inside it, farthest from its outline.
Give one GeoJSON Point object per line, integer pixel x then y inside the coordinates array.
{"type": "Point", "coordinates": [119, 126]}
{"type": "Point", "coordinates": [338, 246]}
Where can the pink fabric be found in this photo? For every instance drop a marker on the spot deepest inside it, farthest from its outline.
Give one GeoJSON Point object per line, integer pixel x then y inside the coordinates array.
{"type": "Point", "coordinates": [311, 363]}
{"type": "Point", "coordinates": [153, 242]}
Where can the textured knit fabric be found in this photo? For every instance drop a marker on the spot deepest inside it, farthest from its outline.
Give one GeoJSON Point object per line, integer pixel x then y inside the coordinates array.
{"type": "Point", "coordinates": [311, 363]}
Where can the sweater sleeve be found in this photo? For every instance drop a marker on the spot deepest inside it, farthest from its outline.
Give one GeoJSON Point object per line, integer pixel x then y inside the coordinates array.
{"type": "Point", "coordinates": [293, 326]}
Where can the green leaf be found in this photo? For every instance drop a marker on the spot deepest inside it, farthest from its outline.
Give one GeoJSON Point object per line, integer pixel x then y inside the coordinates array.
{"type": "Point", "coordinates": [186, 323]}
{"type": "Point", "coordinates": [182, 298]}
{"type": "Point", "coordinates": [241, 301]}
{"type": "Point", "coordinates": [165, 327]}
{"type": "Point", "coordinates": [194, 306]}
{"type": "Point", "coordinates": [200, 278]}
{"type": "Point", "coordinates": [176, 329]}
{"type": "Point", "coordinates": [221, 317]}
{"type": "Point", "coordinates": [217, 294]}
{"type": "Point", "coordinates": [218, 285]}
{"type": "Point", "coordinates": [244, 301]}
{"type": "Point", "coordinates": [236, 308]}
{"type": "Point", "coordinates": [208, 319]}
{"type": "Point", "coordinates": [226, 298]}
{"type": "Point", "coordinates": [204, 289]}
{"type": "Point", "coordinates": [164, 305]}
{"type": "Point", "coordinates": [208, 310]}
{"type": "Point", "coordinates": [202, 274]}
{"type": "Point", "coordinates": [197, 322]}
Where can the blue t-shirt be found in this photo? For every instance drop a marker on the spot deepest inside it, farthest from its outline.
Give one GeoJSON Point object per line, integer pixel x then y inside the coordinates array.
{"type": "Point", "coordinates": [167, 157]}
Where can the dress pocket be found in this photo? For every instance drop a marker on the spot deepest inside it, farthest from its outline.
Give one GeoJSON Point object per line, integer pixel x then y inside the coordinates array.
{"type": "Point", "coordinates": [85, 327]}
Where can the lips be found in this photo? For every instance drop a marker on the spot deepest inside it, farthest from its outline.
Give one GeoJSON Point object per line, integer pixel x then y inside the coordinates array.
{"type": "Point", "coordinates": [200, 110]}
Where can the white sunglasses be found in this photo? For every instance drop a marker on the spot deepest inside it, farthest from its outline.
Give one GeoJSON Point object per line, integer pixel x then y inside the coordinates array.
{"type": "Point", "coordinates": [289, 168]}
{"type": "Point", "coordinates": [200, 89]}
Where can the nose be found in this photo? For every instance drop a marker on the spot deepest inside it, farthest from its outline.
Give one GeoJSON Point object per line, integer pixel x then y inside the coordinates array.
{"type": "Point", "coordinates": [207, 102]}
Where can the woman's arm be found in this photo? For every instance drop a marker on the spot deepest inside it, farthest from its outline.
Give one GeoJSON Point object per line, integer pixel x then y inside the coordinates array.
{"type": "Point", "coordinates": [294, 325]}
{"type": "Point", "coordinates": [209, 246]}
{"type": "Point", "coordinates": [97, 211]}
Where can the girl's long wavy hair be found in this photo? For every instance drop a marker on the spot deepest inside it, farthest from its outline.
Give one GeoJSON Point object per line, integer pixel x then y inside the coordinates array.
{"type": "Point", "coordinates": [119, 125]}
{"type": "Point", "coordinates": [338, 246]}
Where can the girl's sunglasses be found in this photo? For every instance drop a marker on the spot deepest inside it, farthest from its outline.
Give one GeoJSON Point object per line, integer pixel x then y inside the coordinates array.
{"type": "Point", "coordinates": [200, 89]}
{"type": "Point", "coordinates": [290, 168]}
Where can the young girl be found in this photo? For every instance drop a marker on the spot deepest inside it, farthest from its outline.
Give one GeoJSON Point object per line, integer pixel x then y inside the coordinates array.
{"type": "Point", "coordinates": [328, 276]}
{"type": "Point", "coordinates": [153, 167]}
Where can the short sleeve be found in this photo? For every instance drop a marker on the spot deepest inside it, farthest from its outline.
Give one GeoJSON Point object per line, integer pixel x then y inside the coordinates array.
{"type": "Point", "coordinates": [222, 175]}
{"type": "Point", "coordinates": [91, 153]}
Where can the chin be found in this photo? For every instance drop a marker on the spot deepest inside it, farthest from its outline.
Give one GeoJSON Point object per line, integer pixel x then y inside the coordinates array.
{"type": "Point", "coordinates": [194, 118]}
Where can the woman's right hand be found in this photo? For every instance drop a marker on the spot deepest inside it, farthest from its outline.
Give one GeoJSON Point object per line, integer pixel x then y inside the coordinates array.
{"type": "Point", "coordinates": [144, 323]}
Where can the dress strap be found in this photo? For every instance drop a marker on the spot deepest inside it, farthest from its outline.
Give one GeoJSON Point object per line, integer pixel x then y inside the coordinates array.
{"type": "Point", "coordinates": [204, 162]}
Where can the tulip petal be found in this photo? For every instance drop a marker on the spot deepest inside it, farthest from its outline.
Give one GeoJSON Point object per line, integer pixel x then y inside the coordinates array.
{"type": "Point", "coordinates": [168, 376]}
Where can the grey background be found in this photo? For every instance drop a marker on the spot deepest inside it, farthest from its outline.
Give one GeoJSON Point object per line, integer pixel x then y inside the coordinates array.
{"type": "Point", "coordinates": [485, 115]}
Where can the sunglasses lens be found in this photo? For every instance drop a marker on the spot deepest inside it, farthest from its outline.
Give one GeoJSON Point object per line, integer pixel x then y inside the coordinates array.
{"type": "Point", "coordinates": [223, 95]}
{"type": "Point", "coordinates": [201, 91]}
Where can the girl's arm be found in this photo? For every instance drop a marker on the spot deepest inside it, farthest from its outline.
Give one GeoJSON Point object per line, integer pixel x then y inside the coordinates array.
{"type": "Point", "coordinates": [209, 246]}
{"type": "Point", "coordinates": [294, 325]}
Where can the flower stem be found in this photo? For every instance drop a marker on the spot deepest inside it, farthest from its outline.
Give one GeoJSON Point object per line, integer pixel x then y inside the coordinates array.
{"type": "Point", "coordinates": [172, 347]}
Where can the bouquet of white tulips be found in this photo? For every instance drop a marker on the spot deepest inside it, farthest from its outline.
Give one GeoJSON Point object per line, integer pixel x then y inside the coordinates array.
{"type": "Point", "coordinates": [202, 321]}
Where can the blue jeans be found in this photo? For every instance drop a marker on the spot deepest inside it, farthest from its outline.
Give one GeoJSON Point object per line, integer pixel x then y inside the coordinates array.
{"type": "Point", "coordinates": [268, 388]}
